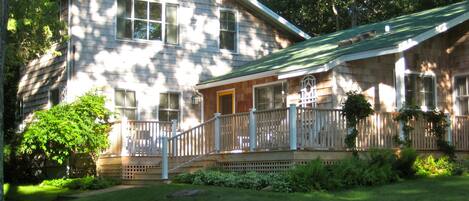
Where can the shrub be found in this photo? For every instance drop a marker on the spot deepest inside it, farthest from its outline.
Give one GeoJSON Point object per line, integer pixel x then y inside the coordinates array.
{"type": "Point", "coordinates": [312, 176]}
{"type": "Point", "coordinates": [85, 183]}
{"type": "Point", "coordinates": [429, 166]}
{"type": "Point", "coordinates": [251, 180]}
{"type": "Point", "coordinates": [404, 165]}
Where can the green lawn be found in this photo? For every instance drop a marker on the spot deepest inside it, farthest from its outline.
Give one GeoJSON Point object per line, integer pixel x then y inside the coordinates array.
{"type": "Point", "coordinates": [431, 189]}
{"type": "Point", "coordinates": [34, 193]}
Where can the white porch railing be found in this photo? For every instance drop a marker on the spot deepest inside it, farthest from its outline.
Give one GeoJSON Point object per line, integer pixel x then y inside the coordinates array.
{"type": "Point", "coordinates": [278, 129]}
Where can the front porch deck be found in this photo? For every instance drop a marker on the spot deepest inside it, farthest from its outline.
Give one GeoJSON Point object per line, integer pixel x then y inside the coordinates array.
{"type": "Point", "coordinates": [264, 141]}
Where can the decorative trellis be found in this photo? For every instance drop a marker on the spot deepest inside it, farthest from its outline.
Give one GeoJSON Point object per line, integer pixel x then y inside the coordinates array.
{"type": "Point", "coordinates": [309, 91]}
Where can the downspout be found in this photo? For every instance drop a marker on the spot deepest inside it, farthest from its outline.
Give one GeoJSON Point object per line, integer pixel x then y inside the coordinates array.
{"type": "Point", "coordinates": [202, 119]}
{"type": "Point", "coordinates": [69, 50]}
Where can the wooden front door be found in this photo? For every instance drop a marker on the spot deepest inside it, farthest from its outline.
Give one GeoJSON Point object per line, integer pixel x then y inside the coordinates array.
{"type": "Point", "coordinates": [226, 102]}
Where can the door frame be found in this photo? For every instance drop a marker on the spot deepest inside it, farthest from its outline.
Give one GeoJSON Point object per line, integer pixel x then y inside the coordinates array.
{"type": "Point", "coordinates": [224, 93]}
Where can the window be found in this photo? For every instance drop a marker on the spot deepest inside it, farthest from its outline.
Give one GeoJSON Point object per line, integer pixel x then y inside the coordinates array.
{"type": "Point", "coordinates": [126, 104]}
{"type": "Point", "coordinates": [270, 97]}
{"type": "Point", "coordinates": [308, 91]}
{"type": "Point", "coordinates": [145, 20]}
{"type": "Point", "coordinates": [462, 95]}
{"type": "Point", "coordinates": [228, 30]}
{"type": "Point", "coordinates": [54, 97]}
{"type": "Point", "coordinates": [420, 90]}
{"type": "Point", "coordinates": [169, 107]}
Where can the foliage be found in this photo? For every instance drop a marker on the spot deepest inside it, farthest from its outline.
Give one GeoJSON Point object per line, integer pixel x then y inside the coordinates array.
{"type": "Point", "coordinates": [355, 108]}
{"type": "Point", "coordinates": [309, 177]}
{"type": "Point", "coordinates": [404, 165]}
{"type": "Point", "coordinates": [85, 183]}
{"type": "Point", "coordinates": [250, 180]}
{"type": "Point", "coordinates": [78, 127]}
{"type": "Point", "coordinates": [430, 166]}
{"type": "Point", "coordinates": [318, 17]}
{"type": "Point", "coordinates": [405, 115]}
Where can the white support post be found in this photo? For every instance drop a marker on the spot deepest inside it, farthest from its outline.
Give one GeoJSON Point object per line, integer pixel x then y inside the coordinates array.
{"type": "Point", "coordinates": [217, 132]}
{"type": "Point", "coordinates": [292, 127]}
{"type": "Point", "coordinates": [124, 135]}
{"type": "Point", "coordinates": [449, 134]}
{"type": "Point", "coordinates": [252, 130]}
{"type": "Point", "coordinates": [174, 124]}
{"type": "Point", "coordinates": [164, 160]}
{"type": "Point", "coordinates": [399, 70]}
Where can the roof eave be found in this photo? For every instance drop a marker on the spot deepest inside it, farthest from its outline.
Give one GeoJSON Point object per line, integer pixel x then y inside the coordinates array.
{"type": "Point", "coordinates": [277, 19]}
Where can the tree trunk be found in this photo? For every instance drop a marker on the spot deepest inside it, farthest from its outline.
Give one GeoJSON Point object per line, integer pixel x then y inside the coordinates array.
{"type": "Point", "coordinates": [3, 24]}
{"type": "Point", "coordinates": [354, 11]}
{"type": "Point", "coordinates": [336, 14]}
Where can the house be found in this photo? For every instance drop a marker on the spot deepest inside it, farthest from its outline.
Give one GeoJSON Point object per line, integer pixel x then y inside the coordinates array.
{"type": "Point", "coordinates": [147, 56]}
{"type": "Point", "coordinates": [421, 59]}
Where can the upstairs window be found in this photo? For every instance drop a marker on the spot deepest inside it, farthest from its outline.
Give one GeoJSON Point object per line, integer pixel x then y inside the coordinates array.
{"type": "Point", "coordinates": [126, 104]}
{"type": "Point", "coordinates": [169, 108]}
{"type": "Point", "coordinates": [270, 97]}
{"type": "Point", "coordinates": [146, 20]}
{"type": "Point", "coordinates": [462, 94]}
{"type": "Point", "coordinates": [228, 30]}
{"type": "Point", "coordinates": [420, 90]}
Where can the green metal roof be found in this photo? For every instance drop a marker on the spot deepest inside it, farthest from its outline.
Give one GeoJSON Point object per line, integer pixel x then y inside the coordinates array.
{"type": "Point", "coordinates": [324, 49]}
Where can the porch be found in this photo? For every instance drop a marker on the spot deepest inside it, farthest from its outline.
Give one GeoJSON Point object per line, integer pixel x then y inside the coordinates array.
{"type": "Point", "coordinates": [265, 141]}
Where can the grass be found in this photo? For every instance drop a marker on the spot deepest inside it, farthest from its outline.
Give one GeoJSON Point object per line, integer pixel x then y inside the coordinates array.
{"type": "Point", "coordinates": [34, 192]}
{"type": "Point", "coordinates": [429, 189]}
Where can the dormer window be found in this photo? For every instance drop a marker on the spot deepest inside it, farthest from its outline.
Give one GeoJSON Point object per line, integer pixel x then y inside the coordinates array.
{"type": "Point", "coordinates": [228, 30]}
{"type": "Point", "coordinates": [147, 20]}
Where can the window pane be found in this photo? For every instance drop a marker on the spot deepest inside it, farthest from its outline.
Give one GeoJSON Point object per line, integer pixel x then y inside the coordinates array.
{"type": "Point", "coordinates": [130, 100]}
{"type": "Point", "coordinates": [155, 31]}
{"type": "Point", "coordinates": [173, 115]}
{"type": "Point", "coordinates": [119, 98]}
{"type": "Point", "coordinates": [141, 9]}
{"type": "Point", "coordinates": [171, 14]}
{"type": "Point", "coordinates": [464, 106]}
{"type": "Point", "coordinates": [227, 40]}
{"type": "Point", "coordinates": [410, 93]}
{"type": "Point", "coordinates": [131, 114]}
{"type": "Point", "coordinates": [155, 11]}
{"type": "Point", "coordinates": [120, 113]}
{"type": "Point", "coordinates": [171, 34]}
{"type": "Point", "coordinates": [460, 87]}
{"type": "Point", "coordinates": [164, 101]}
{"type": "Point", "coordinates": [278, 97]}
{"type": "Point", "coordinates": [163, 115]}
{"type": "Point", "coordinates": [140, 29]}
{"type": "Point", "coordinates": [124, 8]}
{"type": "Point", "coordinates": [174, 101]}
{"type": "Point", "coordinates": [54, 97]}
{"type": "Point", "coordinates": [124, 28]}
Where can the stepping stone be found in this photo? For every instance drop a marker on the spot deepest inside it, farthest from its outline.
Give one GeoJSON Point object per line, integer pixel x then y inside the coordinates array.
{"type": "Point", "coordinates": [186, 193]}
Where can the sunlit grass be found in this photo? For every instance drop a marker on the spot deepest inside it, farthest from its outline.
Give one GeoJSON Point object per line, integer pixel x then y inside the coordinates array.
{"type": "Point", "coordinates": [33, 192]}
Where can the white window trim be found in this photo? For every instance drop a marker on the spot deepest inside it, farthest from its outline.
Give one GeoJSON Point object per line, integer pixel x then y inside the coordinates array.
{"type": "Point", "coordinates": [137, 117]}
{"type": "Point", "coordinates": [456, 107]}
{"type": "Point", "coordinates": [435, 87]}
{"type": "Point", "coordinates": [284, 82]}
{"type": "Point", "coordinates": [227, 51]}
{"type": "Point", "coordinates": [163, 24]}
{"type": "Point", "coordinates": [181, 104]}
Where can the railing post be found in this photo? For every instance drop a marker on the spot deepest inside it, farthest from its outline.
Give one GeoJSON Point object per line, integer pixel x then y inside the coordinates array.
{"type": "Point", "coordinates": [252, 130]}
{"type": "Point", "coordinates": [174, 124]}
{"type": "Point", "coordinates": [217, 132]}
{"type": "Point", "coordinates": [448, 119]}
{"type": "Point", "coordinates": [401, 130]}
{"type": "Point", "coordinates": [292, 127]}
{"type": "Point", "coordinates": [124, 134]}
{"type": "Point", "coordinates": [164, 159]}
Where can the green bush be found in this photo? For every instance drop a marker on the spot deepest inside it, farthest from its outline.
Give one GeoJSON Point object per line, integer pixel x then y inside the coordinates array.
{"type": "Point", "coordinates": [312, 176]}
{"type": "Point", "coordinates": [85, 183]}
{"type": "Point", "coordinates": [404, 165]}
{"type": "Point", "coordinates": [430, 166]}
{"type": "Point", "coordinates": [250, 180]}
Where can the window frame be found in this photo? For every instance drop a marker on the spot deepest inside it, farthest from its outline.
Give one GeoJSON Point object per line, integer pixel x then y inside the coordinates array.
{"type": "Point", "coordinates": [435, 87]}
{"type": "Point", "coordinates": [456, 105]}
{"type": "Point", "coordinates": [163, 23]}
{"type": "Point", "coordinates": [284, 83]}
{"type": "Point", "coordinates": [231, 91]}
{"type": "Point", "coordinates": [137, 113]}
{"type": "Point", "coordinates": [179, 110]}
{"type": "Point", "coordinates": [236, 13]}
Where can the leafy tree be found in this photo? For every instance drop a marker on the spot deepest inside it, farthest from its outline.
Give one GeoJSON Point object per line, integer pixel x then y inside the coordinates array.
{"type": "Point", "coordinates": [326, 16]}
{"type": "Point", "coordinates": [65, 129]}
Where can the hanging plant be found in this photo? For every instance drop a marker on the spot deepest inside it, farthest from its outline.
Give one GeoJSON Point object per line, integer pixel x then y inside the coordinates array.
{"type": "Point", "coordinates": [355, 108]}
{"type": "Point", "coordinates": [406, 114]}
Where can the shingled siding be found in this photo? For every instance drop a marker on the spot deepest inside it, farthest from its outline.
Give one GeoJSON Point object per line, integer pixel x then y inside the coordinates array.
{"type": "Point", "coordinates": [150, 68]}
{"type": "Point", "coordinates": [244, 93]}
